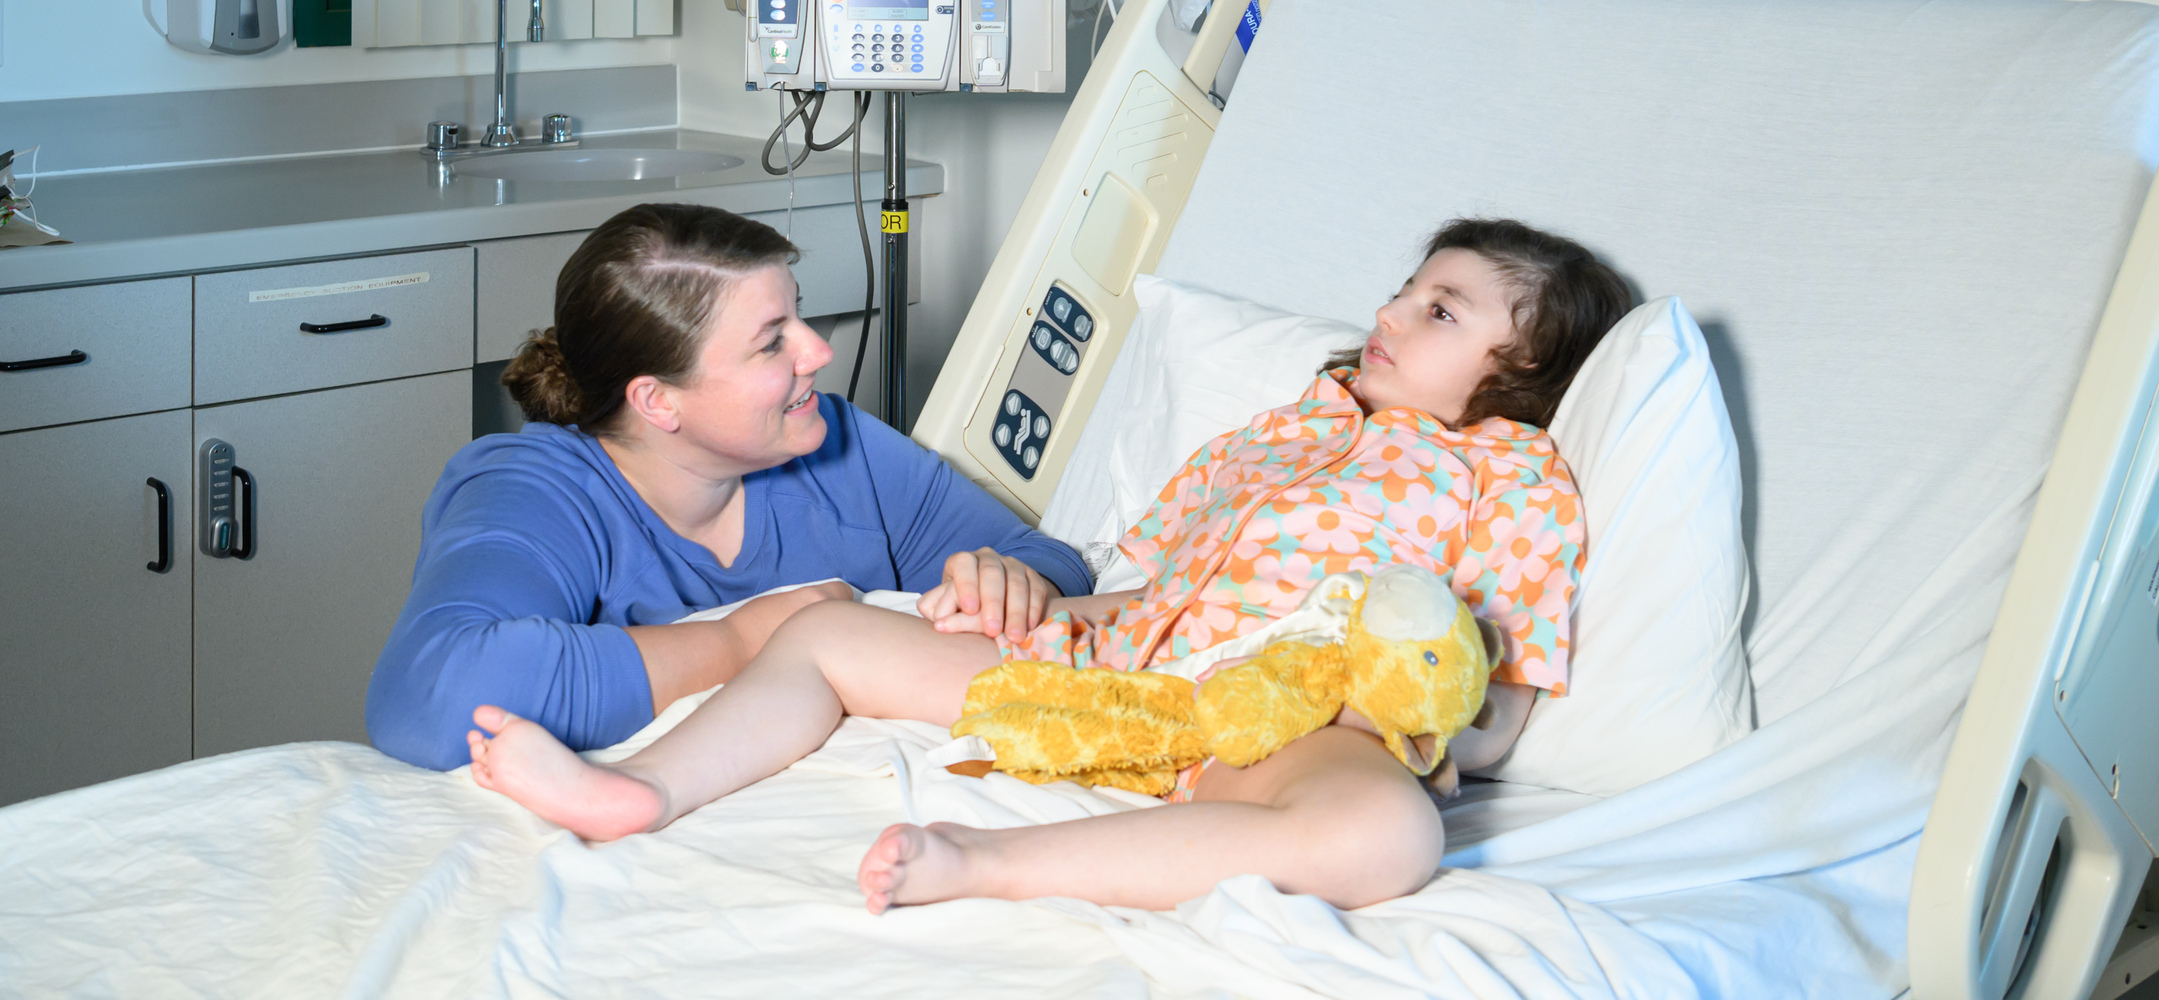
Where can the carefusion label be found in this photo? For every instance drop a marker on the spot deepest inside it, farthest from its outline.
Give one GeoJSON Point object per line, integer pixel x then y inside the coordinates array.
{"type": "Point", "coordinates": [2151, 584]}
{"type": "Point", "coordinates": [341, 288]}
{"type": "Point", "coordinates": [1248, 26]}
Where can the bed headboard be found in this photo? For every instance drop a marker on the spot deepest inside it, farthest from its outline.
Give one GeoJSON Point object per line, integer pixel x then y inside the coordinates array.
{"type": "Point", "coordinates": [1897, 221]}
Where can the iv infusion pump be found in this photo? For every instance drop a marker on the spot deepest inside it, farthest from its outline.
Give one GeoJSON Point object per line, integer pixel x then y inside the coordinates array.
{"type": "Point", "coordinates": [990, 46]}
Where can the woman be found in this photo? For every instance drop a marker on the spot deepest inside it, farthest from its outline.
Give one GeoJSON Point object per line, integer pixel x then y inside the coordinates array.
{"type": "Point", "coordinates": [678, 459]}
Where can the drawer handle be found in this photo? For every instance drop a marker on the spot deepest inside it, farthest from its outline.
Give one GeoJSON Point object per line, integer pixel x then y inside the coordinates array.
{"type": "Point", "coordinates": [70, 358]}
{"type": "Point", "coordinates": [375, 320]}
{"type": "Point", "coordinates": [164, 527]}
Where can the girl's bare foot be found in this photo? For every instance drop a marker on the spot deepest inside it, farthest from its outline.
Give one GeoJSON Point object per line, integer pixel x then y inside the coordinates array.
{"type": "Point", "coordinates": [914, 864]}
{"type": "Point", "coordinates": [525, 762]}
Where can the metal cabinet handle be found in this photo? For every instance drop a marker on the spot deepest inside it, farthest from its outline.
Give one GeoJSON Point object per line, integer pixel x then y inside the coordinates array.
{"type": "Point", "coordinates": [70, 358]}
{"type": "Point", "coordinates": [246, 489]}
{"type": "Point", "coordinates": [375, 320]}
{"type": "Point", "coordinates": [164, 527]}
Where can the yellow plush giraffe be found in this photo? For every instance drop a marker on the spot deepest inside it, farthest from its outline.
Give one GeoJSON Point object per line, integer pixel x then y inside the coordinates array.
{"type": "Point", "coordinates": [1396, 646]}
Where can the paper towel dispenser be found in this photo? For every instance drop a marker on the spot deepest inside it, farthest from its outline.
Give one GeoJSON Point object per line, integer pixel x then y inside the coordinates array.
{"type": "Point", "coordinates": [232, 27]}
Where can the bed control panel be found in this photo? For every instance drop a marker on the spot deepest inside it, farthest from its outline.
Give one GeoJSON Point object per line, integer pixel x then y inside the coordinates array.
{"type": "Point", "coordinates": [1021, 432]}
{"type": "Point", "coordinates": [1042, 380]}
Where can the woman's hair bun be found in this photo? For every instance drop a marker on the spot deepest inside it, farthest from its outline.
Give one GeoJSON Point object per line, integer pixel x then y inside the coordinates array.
{"type": "Point", "coordinates": [539, 379]}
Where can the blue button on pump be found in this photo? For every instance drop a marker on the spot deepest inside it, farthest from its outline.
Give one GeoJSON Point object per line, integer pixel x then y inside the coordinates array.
{"type": "Point", "coordinates": [858, 67]}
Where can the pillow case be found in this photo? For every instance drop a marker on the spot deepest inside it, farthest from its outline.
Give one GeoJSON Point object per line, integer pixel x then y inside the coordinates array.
{"type": "Point", "coordinates": [1658, 677]}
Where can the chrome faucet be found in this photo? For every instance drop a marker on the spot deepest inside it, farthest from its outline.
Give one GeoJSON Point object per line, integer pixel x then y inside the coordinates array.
{"type": "Point", "coordinates": [502, 133]}
{"type": "Point", "coordinates": [442, 141]}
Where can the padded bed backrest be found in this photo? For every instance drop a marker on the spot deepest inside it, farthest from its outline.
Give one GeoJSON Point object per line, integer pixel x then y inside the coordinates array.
{"type": "Point", "coordinates": [1897, 221]}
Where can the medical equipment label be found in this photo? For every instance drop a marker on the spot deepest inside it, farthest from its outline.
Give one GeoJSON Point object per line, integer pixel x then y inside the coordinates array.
{"type": "Point", "coordinates": [340, 288]}
{"type": "Point", "coordinates": [892, 222]}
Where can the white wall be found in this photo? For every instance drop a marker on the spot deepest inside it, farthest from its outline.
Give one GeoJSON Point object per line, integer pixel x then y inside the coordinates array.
{"type": "Point", "coordinates": [99, 48]}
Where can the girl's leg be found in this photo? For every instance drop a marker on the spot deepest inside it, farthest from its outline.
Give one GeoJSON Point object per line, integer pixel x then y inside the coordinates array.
{"type": "Point", "coordinates": [1332, 815]}
{"type": "Point", "coordinates": [830, 659]}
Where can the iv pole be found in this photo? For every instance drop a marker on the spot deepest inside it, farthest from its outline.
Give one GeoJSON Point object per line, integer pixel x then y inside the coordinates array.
{"type": "Point", "coordinates": [893, 222]}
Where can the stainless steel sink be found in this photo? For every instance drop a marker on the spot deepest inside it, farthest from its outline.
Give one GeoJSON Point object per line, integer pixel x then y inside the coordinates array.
{"type": "Point", "coordinates": [595, 164]}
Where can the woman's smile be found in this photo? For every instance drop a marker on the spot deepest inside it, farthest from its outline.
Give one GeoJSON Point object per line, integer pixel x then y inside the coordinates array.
{"type": "Point", "coordinates": [802, 402]}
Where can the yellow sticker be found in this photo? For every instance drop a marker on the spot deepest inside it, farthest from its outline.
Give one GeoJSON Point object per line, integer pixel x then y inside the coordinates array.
{"type": "Point", "coordinates": [892, 222]}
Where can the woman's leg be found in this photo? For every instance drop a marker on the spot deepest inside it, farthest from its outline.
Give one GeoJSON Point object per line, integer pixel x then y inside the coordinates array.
{"type": "Point", "coordinates": [1332, 814]}
{"type": "Point", "coordinates": [830, 659]}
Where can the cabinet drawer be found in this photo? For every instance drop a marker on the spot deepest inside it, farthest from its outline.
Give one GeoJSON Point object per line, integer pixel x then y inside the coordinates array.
{"type": "Point", "coordinates": [134, 338]}
{"type": "Point", "coordinates": [312, 326]}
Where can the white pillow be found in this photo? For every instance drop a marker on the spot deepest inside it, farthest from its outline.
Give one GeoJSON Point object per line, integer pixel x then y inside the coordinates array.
{"type": "Point", "coordinates": [1195, 365]}
{"type": "Point", "coordinates": [1658, 675]}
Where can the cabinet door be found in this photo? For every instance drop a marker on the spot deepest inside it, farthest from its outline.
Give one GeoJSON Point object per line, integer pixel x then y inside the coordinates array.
{"type": "Point", "coordinates": [514, 285]}
{"type": "Point", "coordinates": [286, 638]}
{"type": "Point", "coordinates": [93, 643]}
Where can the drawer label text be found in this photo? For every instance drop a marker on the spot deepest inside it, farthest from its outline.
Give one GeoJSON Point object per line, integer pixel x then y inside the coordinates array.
{"type": "Point", "coordinates": [340, 288]}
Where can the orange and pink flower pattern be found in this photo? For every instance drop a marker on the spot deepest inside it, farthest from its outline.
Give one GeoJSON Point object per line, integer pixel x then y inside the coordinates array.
{"type": "Point", "coordinates": [1259, 515]}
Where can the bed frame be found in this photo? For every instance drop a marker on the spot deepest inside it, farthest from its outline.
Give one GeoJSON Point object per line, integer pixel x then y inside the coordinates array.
{"type": "Point", "coordinates": [2032, 860]}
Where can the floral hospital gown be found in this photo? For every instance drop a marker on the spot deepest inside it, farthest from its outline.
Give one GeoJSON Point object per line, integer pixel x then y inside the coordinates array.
{"type": "Point", "coordinates": [1259, 515]}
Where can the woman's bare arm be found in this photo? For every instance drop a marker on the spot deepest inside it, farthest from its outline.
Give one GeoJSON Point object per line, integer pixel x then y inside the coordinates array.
{"type": "Point", "coordinates": [688, 657]}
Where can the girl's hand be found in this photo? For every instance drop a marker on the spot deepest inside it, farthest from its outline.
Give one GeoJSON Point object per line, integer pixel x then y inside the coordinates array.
{"type": "Point", "coordinates": [986, 592]}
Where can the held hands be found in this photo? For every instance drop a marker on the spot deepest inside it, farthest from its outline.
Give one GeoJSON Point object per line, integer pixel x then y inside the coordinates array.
{"type": "Point", "coordinates": [988, 593]}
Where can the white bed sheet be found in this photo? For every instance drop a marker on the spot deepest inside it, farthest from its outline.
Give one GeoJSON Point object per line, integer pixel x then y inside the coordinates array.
{"type": "Point", "coordinates": [327, 869]}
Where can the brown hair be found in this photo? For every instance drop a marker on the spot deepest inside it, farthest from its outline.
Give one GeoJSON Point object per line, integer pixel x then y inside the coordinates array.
{"type": "Point", "coordinates": [1565, 300]}
{"type": "Point", "coordinates": [635, 300]}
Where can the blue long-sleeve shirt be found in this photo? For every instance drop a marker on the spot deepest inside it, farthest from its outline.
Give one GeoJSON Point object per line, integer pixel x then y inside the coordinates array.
{"type": "Point", "coordinates": [535, 554]}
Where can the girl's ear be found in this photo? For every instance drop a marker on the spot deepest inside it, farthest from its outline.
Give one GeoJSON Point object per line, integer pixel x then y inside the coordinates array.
{"type": "Point", "coordinates": [654, 402]}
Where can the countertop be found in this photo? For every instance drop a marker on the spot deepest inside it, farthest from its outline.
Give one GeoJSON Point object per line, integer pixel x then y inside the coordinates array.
{"type": "Point", "coordinates": [207, 217]}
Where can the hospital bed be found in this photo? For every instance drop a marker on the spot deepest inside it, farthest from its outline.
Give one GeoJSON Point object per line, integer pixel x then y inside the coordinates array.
{"type": "Point", "coordinates": [1917, 228]}
{"type": "Point", "coordinates": [1913, 234]}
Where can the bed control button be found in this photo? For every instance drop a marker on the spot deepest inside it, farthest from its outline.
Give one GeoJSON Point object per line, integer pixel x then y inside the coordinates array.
{"type": "Point", "coordinates": [1061, 306]}
{"type": "Point", "coordinates": [1054, 348]}
{"type": "Point", "coordinates": [1021, 433]}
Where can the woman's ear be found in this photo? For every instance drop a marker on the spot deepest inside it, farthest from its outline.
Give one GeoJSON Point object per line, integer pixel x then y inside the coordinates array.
{"type": "Point", "coordinates": [654, 402]}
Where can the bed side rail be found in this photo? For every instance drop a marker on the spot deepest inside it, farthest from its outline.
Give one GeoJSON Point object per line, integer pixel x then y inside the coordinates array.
{"type": "Point", "coordinates": [1036, 346]}
{"type": "Point", "coordinates": [2032, 855]}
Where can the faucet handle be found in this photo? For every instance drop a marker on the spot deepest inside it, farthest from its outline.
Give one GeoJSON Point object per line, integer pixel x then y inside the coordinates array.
{"type": "Point", "coordinates": [442, 135]}
{"type": "Point", "coordinates": [555, 128]}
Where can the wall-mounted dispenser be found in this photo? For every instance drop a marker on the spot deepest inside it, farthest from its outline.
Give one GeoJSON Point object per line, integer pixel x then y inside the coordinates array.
{"type": "Point", "coordinates": [232, 27]}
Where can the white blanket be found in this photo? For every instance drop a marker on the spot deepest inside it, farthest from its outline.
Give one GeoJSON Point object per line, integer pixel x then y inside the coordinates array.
{"type": "Point", "coordinates": [1775, 868]}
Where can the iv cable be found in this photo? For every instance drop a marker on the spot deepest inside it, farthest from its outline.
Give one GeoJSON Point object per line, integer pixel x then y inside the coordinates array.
{"type": "Point", "coordinates": [789, 156]}
{"type": "Point", "coordinates": [808, 105]}
{"type": "Point", "coordinates": [869, 262]}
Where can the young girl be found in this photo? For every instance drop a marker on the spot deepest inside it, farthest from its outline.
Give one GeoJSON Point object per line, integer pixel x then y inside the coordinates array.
{"type": "Point", "coordinates": [1424, 447]}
